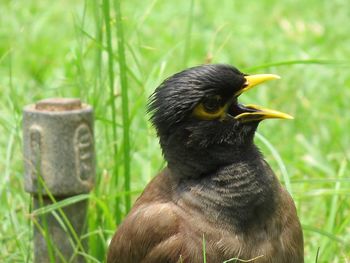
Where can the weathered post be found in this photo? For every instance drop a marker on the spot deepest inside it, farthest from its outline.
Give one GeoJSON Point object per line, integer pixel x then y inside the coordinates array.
{"type": "Point", "coordinates": [58, 154]}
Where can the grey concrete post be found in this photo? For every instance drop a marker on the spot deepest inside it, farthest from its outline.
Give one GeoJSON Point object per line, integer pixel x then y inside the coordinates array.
{"type": "Point", "coordinates": [59, 151]}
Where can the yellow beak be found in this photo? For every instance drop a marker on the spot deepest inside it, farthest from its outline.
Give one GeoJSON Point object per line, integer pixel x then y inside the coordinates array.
{"type": "Point", "coordinates": [253, 80]}
{"type": "Point", "coordinates": [255, 112]}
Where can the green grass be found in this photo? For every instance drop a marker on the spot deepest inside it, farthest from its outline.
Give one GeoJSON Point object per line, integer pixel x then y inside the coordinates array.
{"type": "Point", "coordinates": [71, 49]}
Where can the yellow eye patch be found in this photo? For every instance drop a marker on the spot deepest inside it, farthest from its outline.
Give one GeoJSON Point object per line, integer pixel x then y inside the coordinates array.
{"type": "Point", "coordinates": [210, 109]}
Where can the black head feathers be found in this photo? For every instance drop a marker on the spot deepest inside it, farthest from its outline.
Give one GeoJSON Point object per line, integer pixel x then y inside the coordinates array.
{"type": "Point", "coordinates": [174, 100]}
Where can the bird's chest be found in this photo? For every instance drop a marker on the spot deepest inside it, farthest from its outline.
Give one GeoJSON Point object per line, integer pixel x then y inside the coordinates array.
{"type": "Point", "coordinates": [227, 241]}
{"type": "Point", "coordinates": [237, 197]}
{"type": "Point", "coordinates": [233, 211]}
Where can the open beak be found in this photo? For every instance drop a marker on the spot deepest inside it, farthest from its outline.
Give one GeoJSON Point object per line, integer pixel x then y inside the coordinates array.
{"type": "Point", "coordinates": [248, 113]}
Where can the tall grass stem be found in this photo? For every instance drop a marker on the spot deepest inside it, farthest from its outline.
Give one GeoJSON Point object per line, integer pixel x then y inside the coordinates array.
{"type": "Point", "coordinates": [125, 102]}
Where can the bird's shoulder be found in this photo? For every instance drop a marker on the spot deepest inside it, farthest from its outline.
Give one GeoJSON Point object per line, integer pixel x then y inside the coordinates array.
{"type": "Point", "coordinates": [291, 235]}
{"type": "Point", "coordinates": [285, 224]}
{"type": "Point", "coordinates": [150, 227]}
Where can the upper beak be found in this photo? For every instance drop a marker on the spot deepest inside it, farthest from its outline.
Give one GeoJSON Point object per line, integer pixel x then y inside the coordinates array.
{"type": "Point", "coordinates": [254, 112]}
{"type": "Point", "coordinates": [253, 80]}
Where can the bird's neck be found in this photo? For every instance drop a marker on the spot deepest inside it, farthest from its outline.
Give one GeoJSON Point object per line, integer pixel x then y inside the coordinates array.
{"type": "Point", "coordinates": [198, 163]}
{"type": "Point", "coordinates": [240, 193]}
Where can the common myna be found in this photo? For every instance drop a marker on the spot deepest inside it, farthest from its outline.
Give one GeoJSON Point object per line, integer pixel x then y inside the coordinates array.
{"type": "Point", "coordinates": [217, 199]}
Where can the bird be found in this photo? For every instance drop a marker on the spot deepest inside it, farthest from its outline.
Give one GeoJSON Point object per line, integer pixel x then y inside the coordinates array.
{"type": "Point", "coordinates": [217, 199]}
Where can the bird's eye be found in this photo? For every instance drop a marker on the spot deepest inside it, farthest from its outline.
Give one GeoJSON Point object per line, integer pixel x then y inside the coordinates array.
{"type": "Point", "coordinates": [212, 104]}
{"type": "Point", "coordinates": [210, 108]}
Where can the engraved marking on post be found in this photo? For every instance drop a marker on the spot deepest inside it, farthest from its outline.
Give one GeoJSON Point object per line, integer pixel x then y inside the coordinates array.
{"type": "Point", "coordinates": [83, 145]}
{"type": "Point", "coordinates": [35, 151]}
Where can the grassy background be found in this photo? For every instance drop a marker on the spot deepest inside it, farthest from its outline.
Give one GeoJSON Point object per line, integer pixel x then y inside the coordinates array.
{"type": "Point", "coordinates": [70, 49]}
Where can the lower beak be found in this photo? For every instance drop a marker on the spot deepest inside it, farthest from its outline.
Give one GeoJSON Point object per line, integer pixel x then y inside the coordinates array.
{"type": "Point", "coordinates": [254, 112]}
{"type": "Point", "coordinates": [257, 113]}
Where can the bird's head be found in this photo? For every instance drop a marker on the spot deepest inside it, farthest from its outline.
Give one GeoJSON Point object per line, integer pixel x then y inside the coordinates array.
{"type": "Point", "coordinates": [197, 114]}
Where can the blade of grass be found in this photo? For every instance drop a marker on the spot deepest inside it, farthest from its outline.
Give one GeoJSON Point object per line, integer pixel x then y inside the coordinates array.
{"type": "Point", "coordinates": [317, 254]}
{"type": "Point", "coordinates": [100, 232]}
{"type": "Point", "coordinates": [321, 180]}
{"type": "Point", "coordinates": [323, 233]}
{"type": "Point", "coordinates": [139, 67]}
{"type": "Point", "coordinates": [79, 52]}
{"type": "Point", "coordinates": [65, 220]}
{"type": "Point", "coordinates": [333, 209]}
{"type": "Point", "coordinates": [102, 206]}
{"type": "Point", "coordinates": [46, 236]}
{"type": "Point", "coordinates": [188, 34]}
{"type": "Point", "coordinates": [279, 161]}
{"type": "Point", "coordinates": [5, 182]}
{"type": "Point", "coordinates": [204, 250]}
{"type": "Point", "coordinates": [98, 38]}
{"type": "Point", "coordinates": [95, 217]}
{"type": "Point", "coordinates": [242, 260]}
{"type": "Point", "coordinates": [88, 257]}
{"type": "Point", "coordinates": [106, 14]}
{"type": "Point", "coordinates": [298, 62]}
{"type": "Point", "coordinates": [7, 173]}
{"type": "Point", "coordinates": [30, 226]}
{"type": "Point", "coordinates": [98, 42]}
{"type": "Point", "coordinates": [145, 15]}
{"type": "Point", "coordinates": [60, 204]}
{"type": "Point", "coordinates": [45, 231]}
{"type": "Point", "coordinates": [322, 192]}
{"type": "Point", "coordinates": [335, 199]}
{"type": "Point", "coordinates": [4, 54]}
{"type": "Point", "coordinates": [125, 101]}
